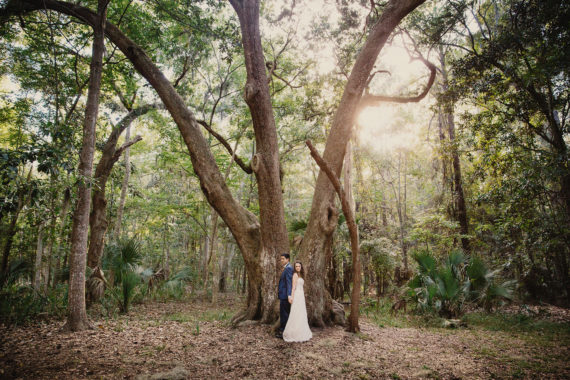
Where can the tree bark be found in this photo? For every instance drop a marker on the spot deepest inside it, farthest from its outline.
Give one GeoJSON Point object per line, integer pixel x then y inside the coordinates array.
{"type": "Point", "coordinates": [460, 207]}
{"type": "Point", "coordinates": [265, 163]}
{"type": "Point", "coordinates": [39, 259]}
{"type": "Point", "coordinates": [63, 215]}
{"type": "Point", "coordinates": [77, 318]}
{"type": "Point", "coordinates": [319, 307]}
{"type": "Point", "coordinates": [354, 245]}
{"type": "Point", "coordinates": [124, 186]}
{"type": "Point", "coordinates": [110, 155]}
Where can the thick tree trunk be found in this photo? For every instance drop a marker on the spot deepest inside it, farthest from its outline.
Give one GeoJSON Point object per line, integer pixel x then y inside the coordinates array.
{"type": "Point", "coordinates": [265, 163]}
{"type": "Point", "coordinates": [77, 318]}
{"type": "Point", "coordinates": [353, 325]}
{"type": "Point", "coordinates": [321, 222]}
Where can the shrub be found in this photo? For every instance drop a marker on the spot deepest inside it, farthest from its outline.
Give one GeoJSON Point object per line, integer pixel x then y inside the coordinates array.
{"type": "Point", "coordinates": [445, 288]}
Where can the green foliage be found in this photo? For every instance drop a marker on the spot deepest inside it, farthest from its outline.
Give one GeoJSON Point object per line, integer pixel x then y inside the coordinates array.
{"type": "Point", "coordinates": [122, 258]}
{"type": "Point", "coordinates": [445, 288]}
{"type": "Point", "coordinates": [175, 286]}
{"type": "Point", "coordinates": [17, 269]}
{"type": "Point", "coordinates": [22, 304]}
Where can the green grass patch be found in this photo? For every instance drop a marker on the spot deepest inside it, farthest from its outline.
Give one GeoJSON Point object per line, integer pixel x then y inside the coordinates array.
{"type": "Point", "coordinates": [180, 317]}
{"type": "Point", "coordinates": [515, 323]}
{"type": "Point", "coordinates": [216, 315]}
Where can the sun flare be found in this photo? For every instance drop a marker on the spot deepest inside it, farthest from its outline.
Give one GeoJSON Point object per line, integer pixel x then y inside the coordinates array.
{"type": "Point", "coordinates": [384, 129]}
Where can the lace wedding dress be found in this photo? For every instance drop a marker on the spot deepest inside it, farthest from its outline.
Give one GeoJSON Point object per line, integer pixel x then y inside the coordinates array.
{"type": "Point", "coordinates": [297, 328]}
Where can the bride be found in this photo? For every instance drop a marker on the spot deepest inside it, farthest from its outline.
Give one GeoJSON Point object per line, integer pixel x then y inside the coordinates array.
{"type": "Point", "coordinates": [297, 328]}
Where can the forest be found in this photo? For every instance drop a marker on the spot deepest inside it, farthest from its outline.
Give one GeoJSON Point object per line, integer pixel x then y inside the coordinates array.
{"type": "Point", "coordinates": [157, 157]}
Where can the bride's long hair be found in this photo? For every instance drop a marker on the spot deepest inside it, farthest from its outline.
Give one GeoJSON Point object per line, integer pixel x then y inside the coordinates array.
{"type": "Point", "coordinates": [301, 273]}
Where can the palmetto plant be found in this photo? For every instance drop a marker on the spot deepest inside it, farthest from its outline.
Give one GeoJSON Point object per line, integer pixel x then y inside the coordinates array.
{"type": "Point", "coordinates": [446, 288]}
{"type": "Point", "coordinates": [122, 258]}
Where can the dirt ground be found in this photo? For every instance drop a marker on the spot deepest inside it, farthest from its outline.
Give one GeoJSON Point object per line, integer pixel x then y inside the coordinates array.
{"type": "Point", "coordinates": [195, 341]}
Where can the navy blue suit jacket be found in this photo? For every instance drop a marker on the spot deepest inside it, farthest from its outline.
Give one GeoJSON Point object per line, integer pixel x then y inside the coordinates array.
{"type": "Point", "coordinates": [286, 282]}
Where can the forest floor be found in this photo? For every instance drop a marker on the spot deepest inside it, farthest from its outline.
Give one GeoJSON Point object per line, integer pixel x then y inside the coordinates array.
{"type": "Point", "coordinates": [194, 340]}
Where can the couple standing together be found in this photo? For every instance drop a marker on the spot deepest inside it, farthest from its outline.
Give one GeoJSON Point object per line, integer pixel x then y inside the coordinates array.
{"type": "Point", "coordinates": [294, 325]}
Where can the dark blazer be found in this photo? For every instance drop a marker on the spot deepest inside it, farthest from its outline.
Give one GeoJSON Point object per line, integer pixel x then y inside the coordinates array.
{"type": "Point", "coordinates": [286, 282]}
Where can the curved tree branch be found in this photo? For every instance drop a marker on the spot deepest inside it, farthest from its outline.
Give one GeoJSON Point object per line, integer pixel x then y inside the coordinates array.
{"type": "Point", "coordinates": [353, 229]}
{"type": "Point", "coordinates": [369, 99]}
{"type": "Point", "coordinates": [245, 167]}
{"type": "Point", "coordinates": [126, 145]}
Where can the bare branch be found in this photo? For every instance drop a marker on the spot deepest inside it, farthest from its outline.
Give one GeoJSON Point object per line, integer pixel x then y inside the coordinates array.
{"type": "Point", "coordinates": [369, 99]}
{"type": "Point", "coordinates": [246, 168]}
{"type": "Point", "coordinates": [126, 145]}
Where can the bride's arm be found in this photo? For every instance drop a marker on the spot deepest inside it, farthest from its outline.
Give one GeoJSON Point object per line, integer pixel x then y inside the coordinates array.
{"type": "Point", "coordinates": [295, 277]}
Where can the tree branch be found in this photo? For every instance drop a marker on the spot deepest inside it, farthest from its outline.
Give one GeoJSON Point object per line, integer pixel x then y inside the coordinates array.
{"type": "Point", "coordinates": [246, 168]}
{"type": "Point", "coordinates": [349, 215]}
{"type": "Point", "coordinates": [369, 99]}
{"type": "Point", "coordinates": [126, 145]}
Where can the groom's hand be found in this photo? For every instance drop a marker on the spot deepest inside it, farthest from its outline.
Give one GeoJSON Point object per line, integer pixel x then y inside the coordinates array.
{"type": "Point", "coordinates": [290, 299]}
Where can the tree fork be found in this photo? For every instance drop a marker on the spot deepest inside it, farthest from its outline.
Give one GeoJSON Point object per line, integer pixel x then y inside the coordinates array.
{"type": "Point", "coordinates": [347, 211]}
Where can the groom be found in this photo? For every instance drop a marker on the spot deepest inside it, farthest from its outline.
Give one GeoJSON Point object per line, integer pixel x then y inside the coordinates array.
{"type": "Point", "coordinates": [285, 283]}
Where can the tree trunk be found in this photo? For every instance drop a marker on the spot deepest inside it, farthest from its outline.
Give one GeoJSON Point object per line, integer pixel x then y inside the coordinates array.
{"type": "Point", "coordinates": [39, 259]}
{"type": "Point", "coordinates": [110, 155]}
{"type": "Point", "coordinates": [124, 186]}
{"type": "Point", "coordinates": [265, 163]}
{"type": "Point", "coordinates": [322, 220]}
{"type": "Point", "coordinates": [458, 194]}
{"type": "Point", "coordinates": [354, 245]}
{"type": "Point", "coordinates": [63, 215]}
{"type": "Point", "coordinates": [401, 215]}
{"type": "Point", "coordinates": [77, 319]}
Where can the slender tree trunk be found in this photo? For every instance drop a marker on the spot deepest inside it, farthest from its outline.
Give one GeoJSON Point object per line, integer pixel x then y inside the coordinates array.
{"type": "Point", "coordinates": [63, 216]}
{"type": "Point", "coordinates": [98, 221]}
{"type": "Point", "coordinates": [124, 186]}
{"type": "Point", "coordinates": [401, 214]}
{"type": "Point", "coordinates": [77, 319]}
{"type": "Point", "coordinates": [39, 259]}
{"type": "Point", "coordinates": [458, 194]}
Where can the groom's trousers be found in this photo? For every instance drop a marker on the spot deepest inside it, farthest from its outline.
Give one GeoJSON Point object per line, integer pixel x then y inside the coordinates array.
{"type": "Point", "coordinates": [284, 310]}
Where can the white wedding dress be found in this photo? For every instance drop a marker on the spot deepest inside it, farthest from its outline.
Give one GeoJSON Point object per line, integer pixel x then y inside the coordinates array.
{"type": "Point", "coordinates": [297, 328]}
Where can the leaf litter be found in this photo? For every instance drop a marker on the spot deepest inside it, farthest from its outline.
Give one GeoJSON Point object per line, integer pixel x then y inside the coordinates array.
{"type": "Point", "coordinates": [194, 340]}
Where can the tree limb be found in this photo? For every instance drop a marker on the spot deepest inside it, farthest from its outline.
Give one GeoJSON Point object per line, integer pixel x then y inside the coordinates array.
{"type": "Point", "coordinates": [347, 211]}
{"type": "Point", "coordinates": [126, 145]}
{"type": "Point", "coordinates": [369, 99]}
{"type": "Point", "coordinates": [245, 167]}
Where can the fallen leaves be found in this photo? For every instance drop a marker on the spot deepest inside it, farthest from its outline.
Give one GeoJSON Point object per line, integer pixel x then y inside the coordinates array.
{"type": "Point", "coordinates": [149, 343]}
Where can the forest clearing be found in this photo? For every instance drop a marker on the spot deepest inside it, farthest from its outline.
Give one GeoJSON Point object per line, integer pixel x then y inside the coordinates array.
{"type": "Point", "coordinates": [195, 341]}
{"type": "Point", "coordinates": [362, 189]}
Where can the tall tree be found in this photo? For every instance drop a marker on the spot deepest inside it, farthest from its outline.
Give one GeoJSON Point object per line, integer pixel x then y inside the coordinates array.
{"type": "Point", "coordinates": [77, 318]}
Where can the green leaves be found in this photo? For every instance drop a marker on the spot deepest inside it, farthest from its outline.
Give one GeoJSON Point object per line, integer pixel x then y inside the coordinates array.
{"type": "Point", "coordinates": [444, 289]}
